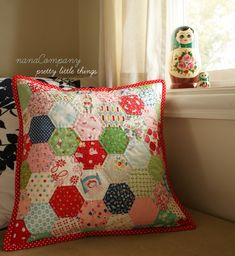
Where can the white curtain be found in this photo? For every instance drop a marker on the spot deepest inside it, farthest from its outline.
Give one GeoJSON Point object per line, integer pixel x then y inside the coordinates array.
{"type": "Point", "coordinates": [132, 45]}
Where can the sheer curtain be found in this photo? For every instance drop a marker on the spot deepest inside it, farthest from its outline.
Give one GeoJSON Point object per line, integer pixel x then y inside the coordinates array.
{"type": "Point", "coordinates": [132, 44]}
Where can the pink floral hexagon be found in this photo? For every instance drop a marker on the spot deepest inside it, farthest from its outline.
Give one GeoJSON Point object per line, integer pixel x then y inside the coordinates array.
{"type": "Point", "coordinates": [131, 104]}
{"type": "Point", "coordinates": [153, 140]}
{"type": "Point", "coordinates": [24, 204]}
{"type": "Point", "coordinates": [27, 143]}
{"type": "Point", "coordinates": [161, 196]}
{"type": "Point", "coordinates": [88, 127]}
{"type": "Point", "coordinates": [151, 116]}
{"type": "Point", "coordinates": [66, 201]}
{"type": "Point", "coordinates": [65, 171]}
{"type": "Point", "coordinates": [40, 157]}
{"type": "Point", "coordinates": [94, 214]}
{"type": "Point", "coordinates": [91, 154]}
{"type": "Point", "coordinates": [143, 211]}
{"type": "Point", "coordinates": [40, 104]}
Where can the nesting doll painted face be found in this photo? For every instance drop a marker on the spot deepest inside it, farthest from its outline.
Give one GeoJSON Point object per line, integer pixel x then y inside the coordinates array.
{"type": "Point", "coordinates": [203, 76]}
{"type": "Point", "coordinates": [185, 36]}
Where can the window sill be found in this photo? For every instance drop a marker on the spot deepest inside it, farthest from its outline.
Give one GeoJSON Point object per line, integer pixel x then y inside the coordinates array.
{"type": "Point", "coordinates": [208, 103]}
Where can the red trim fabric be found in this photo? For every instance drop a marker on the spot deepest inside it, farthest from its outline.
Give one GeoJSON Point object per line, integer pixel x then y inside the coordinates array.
{"type": "Point", "coordinates": [185, 224]}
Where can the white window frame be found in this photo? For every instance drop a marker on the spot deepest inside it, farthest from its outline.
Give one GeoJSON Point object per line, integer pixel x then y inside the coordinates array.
{"type": "Point", "coordinates": [216, 102]}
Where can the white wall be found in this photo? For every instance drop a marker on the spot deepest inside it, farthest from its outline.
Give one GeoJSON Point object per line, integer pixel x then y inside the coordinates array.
{"type": "Point", "coordinates": [57, 28]}
{"type": "Point", "coordinates": [201, 157]}
{"type": "Point", "coordinates": [31, 27]}
{"type": "Point", "coordinates": [89, 33]}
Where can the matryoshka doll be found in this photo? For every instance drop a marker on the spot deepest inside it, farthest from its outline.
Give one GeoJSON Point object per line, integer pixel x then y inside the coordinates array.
{"type": "Point", "coordinates": [203, 80]}
{"type": "Point", "coordinates": [185, 61]}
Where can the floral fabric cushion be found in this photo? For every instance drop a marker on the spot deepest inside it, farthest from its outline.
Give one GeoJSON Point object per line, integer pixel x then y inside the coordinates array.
{"type": "Point", "coordinates": [9, 127]}
{"type": "Point", "coordinates": [90, 162]}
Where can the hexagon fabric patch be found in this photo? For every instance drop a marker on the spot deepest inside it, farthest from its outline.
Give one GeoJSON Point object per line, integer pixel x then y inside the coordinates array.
{"type": "Point", "coordinates": [114, 140]}
{"type": "Point", "coordinates": [90, 161]}
{"type": "Point", "coordinates": [21, 234]}
{"type": "Point", "coordinates": [132, 104]}
{"type": "Point", "coordinates": [62, 115]}
{"type": "Point", "coordinates": [24, 205]}
{"type": "Point", "coordinates": [152, 139]}
{"type": "Point", "coordinates": [27, 145]}
{"type": "Point", "coordinates": [135, 128]}
{"type": "Point", "coordinates": [116, 168]}
{"type": "Point", "coordinates": [166, 218]}
{"type": "Point", "coordinates": [24, 175]}
{"type": "Point", "coordinates": [40, 157]}
{"type": "Point", "coordinates": [57, 96]}
{"type": "Point", "coordinates": [65, 171]}
{"type": "Point", "coordinates": [90, 154]}
{"type": "Point", "coordinates": [155, 168]}
{"type": "Point", "coordinates": [94, 214]}
{"type": "Point", "coordinates": [64, 141]}
{"type": "Point", "coordinates": [66, 201]}
{"type": "Point", "coordinates": [141, 183]}
{"type": "Point", "coordinates": [66, 226]}
{"type": "Point", "coordinates": [112, 115]}
{"type": "Point", "coordinates": [41, 129]}
{"type": "Point", "coordinates": [27, 121]}
{"type": "Point", "coordinates": [149, 96]}
{"type": "Point", "coordinates": [24, 94]}
{"type": "Point", "coordinates": [119, 221]}
{"type": "Point", "coordinates": [88, 127]}
{"type": "Point", "coordinates": [161, 196]}
{"type": "Point", "coordinates": [40, 104]}
{"type": "Point", "coordinates": [85, 103]}
{"type": "Point", "coordinates": [40, 219]}
{"type": "Point", "coordinates": [137, 154]}
{"type": "Point", "coordinates": [144, 211]}
{"type": "Point", "coordinates": [119, 198]}
{"type": "Point", "coordinates": [40, 187]}
{"type": "Point", "coordinates": [93, 184]}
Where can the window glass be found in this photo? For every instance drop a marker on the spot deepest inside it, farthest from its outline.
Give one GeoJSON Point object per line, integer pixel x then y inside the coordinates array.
{"type": "Point", "coordinates": [214, 22]}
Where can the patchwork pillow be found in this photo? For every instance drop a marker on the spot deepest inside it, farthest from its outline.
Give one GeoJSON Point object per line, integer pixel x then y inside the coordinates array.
{"type": "Point", "coordinates": [91, 162]}
{"type": "Point", "coordinates": [9, 127]}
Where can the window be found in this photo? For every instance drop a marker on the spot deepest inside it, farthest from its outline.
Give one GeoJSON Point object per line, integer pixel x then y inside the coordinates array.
{"type": "Point", "coordinates": [214, 22]}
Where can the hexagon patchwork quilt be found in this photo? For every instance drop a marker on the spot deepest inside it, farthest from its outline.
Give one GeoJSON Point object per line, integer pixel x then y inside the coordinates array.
{"type": "Point", "coordinates": [91, 162]}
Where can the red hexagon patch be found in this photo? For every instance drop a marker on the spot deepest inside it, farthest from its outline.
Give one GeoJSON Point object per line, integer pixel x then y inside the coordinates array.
{"type": "Point", "coordinates": [91, 154]}
{"type": "Point", "coordinates": [131, 104]}
{"type": "Point", "coordinates": [66, 201]}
